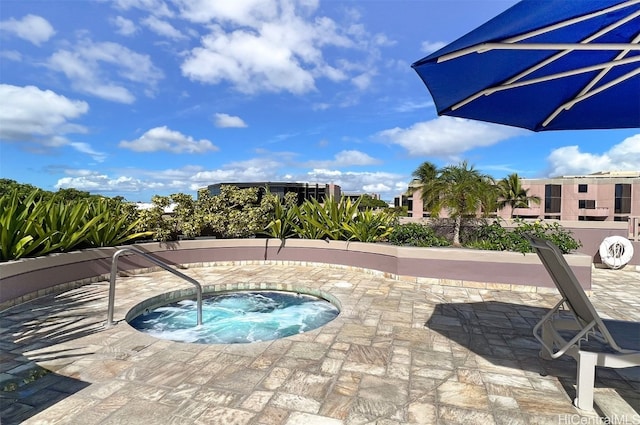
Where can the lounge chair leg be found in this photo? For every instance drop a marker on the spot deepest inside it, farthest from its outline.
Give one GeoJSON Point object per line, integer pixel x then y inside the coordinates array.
{"type": "Point", "coordinates": [547, 337]}
{"type": "Point", "coordinates": [585, 380]}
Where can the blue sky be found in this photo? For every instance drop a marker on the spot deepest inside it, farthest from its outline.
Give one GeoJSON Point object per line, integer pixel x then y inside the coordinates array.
{"type": "Point", "coordinates": [144, 97]}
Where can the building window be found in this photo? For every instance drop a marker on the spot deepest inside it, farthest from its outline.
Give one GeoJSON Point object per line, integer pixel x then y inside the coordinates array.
{"type": "Point", "coordinates": [589, 204]}
{"type": "Point", "coordinates": [621, 218]}
{"type": "Point", "coordinates": [552, 198]}
{"type": "Point", "coordinates": [622, 201]}
{"type": "Point", "coordinates": [582, 188]}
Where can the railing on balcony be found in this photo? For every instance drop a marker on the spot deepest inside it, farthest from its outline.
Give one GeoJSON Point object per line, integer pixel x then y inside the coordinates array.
{"type": "Point", "coordinates": [527, 212]}
{"type": "Point", "coordinates": [601, 212]}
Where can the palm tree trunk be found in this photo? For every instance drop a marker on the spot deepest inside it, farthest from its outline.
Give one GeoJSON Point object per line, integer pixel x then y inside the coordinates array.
{"type": "Point", "coordinates": [456, 230]}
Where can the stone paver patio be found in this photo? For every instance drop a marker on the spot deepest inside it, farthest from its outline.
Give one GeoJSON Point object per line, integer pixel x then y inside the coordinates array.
{"type": "Point", "coordinates": [399, 353]}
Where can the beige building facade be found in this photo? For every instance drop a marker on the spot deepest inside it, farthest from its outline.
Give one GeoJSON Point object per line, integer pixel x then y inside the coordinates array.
{"type": "Point", "coordinates": [604, 196]}
{"type": "Point", "coordinates": [611, 196]}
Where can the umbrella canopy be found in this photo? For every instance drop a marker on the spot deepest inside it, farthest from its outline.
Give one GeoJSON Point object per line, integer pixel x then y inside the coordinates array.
{"type": "Point", "coordinates": [544, 65]}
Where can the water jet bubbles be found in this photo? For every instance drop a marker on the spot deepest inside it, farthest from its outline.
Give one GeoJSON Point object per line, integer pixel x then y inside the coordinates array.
{"type": "Point", "coordinates": [239, 317]}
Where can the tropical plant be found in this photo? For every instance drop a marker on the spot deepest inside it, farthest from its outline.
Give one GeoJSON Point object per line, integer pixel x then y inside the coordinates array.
{"type": "Point", "coordinates": [494, 236]}
{"type": "Point", "coordinates": [32, 226]}
{"type": "Point", "coordinates": [369, 202]}
{"type": "Point", "coordinates": [416, 234]}
{"type": "Point", "coordinates": [426, 175]}
{"type": "Point", "coordinates": [369, 226]}
{"type": "Point", "coordinates": [186, 218]}
{"type": "Point", "coordinates": [512, 194]}
{"type": "Point", "coordinates": [67, 222]}
{"type": "Point", "coordinates": [117, 223]}
{"type": "Point", "coordinates": [284, 218]}
{"type": "Point", "coordinates": [20, 232]}
{"type": "Point", "coordinates": [462, 191]}
{"type": "Point", "coordinates": [155, 220]}
{"type": "Point", "coordinates": [234, 212]}
{"type": "Point", "coordinates": [317, 220]}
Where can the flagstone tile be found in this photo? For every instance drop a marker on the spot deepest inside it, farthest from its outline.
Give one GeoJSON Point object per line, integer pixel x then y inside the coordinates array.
{"type": "Point", "coordinates": [307, 384]}
{"type": "Point", "coordinates": [225, 415]}
{"type": "Point", "coordinates": [298, 418]}
{"type": "Point", "coordinates": [398, 354]}
{"type": "Point", "coordinates": [295, 402]}
{"type": "Point", "coordinates": [257, 400]}
{"type": "Point", "coordinates": [276, 378]}
{"type": "Point", "coordinates": [463, 395]}
{"type": "Point", "coordinates": [383, 389]}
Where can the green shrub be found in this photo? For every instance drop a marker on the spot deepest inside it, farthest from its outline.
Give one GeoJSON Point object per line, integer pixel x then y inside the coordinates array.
{"type": "Point", "coordinates": [117, 223]}
{"type": "Point", "coordinates": [495, 237]}
{"type": "Point", "coordinates": [21, 234]}
{"type": "Point", "coordinates": [416, 234]}
{"type": "Point", "coordinates": [369, 226]}
{"type": "Point", "coordinates": [315, 220]}
{"type": "Point", "coordinates": [31, 225]}
{"type": "Point", "coordinates": [284, 218]}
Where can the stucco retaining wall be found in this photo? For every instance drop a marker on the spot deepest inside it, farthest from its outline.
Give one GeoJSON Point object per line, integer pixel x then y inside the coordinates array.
{"type": "Point", "coordinates": [33, 277]}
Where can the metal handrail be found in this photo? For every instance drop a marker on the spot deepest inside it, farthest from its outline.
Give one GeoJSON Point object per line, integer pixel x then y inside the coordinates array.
{"type": "Point", "coordinates": [114, 272]}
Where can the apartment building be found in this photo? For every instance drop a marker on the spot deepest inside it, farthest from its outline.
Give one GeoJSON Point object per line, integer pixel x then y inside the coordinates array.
{"type": "Point", "coordinates": [604, 196]}
{"type": "Point", "coordinates": [303, 191]}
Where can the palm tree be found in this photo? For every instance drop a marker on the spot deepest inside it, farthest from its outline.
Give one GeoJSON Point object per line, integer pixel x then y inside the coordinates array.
{"type": "Point", "coordinates": [511, 192]}
{"type": "Point", "coordinates": [462, 191]}
{"type": "Point", "coordinates": [426, 174]}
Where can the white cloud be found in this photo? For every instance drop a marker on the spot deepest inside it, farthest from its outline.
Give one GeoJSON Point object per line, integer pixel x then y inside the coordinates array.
{"type": "Point", "coordinates": [87, 149]}
{"type": "Point", "coordinates": [42, 118]}
{"type": "Point", "coordinates": [228, 121]}
{"type": "Point", "coordinates": [105, 69]}
{"type": "Point", "coordinates": [240, 12]}
{"type": "Point", "coordinates": [447, 137]}
{"type": "Point", "coordinates": [156, 7]}
{"type": "Point", "coordinates": [386, 184]}
{"type": "Point", "coordinates": [96, 182]}
{"type": "Point", "coordinates": [153, 182]}
{"type": "Point", "coordinates": [164, 139]}
{"type": "Point", "coordinates": [255, 169]}
{"type": "Point", "coordinates": [32, 28]}
{"type": "Point", "coordinates": [569, 160]}
{"type": "Point", "coordinates": [12, 55]}
{"type": "Point", "coordinates": [274, 46]}
{"type": "Point", "coordinates": [29, 114]}
{"type": "Point", "coordinates": [346, 158]}
{"type": "Point", "coordinates": [124, 26]}
{"type": "Point", "coordinates": [410, 106]}
{"type": "Point", "coordinates": [363, 80]}
{"type": "Point", "coordinates": [432, 46]}
{"type": "Point", "coordinates": [251, 63]}
{"type": "Point", "coordinates": [163, 28]}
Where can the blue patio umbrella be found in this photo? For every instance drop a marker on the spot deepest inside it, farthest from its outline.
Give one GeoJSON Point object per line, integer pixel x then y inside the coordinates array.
{"type": "Point", "coordinates": [544, 65]}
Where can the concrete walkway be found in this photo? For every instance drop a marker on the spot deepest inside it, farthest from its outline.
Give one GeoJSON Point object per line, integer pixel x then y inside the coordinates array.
{"type": "Point", "coordinates": [399, 353]}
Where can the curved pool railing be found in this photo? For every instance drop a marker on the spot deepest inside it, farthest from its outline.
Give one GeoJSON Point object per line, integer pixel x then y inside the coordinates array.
{"type": "Point", "coordinates": [165, 266]}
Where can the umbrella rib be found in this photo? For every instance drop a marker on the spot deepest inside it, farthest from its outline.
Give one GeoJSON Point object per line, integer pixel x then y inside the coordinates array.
{"type": "Point", "coordinates": [485, 47]}
{"type": "Point", "coordinates": [604, 67]}
{"type": "Point", "coordinates": [572, 21]}
{"type": "Point", "coordinates": [509, 83]}
{"type": "Point", "coordinates": [586, 93]}
{"type": "Point", "coordinates": [569, 105]}
{"type": "Point", "coordinates": [481, 48]}
{"type": "Point", "coordinates": [559, 55]}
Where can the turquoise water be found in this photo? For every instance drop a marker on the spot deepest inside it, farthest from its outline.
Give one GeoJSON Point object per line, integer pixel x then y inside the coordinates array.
{"type": "Point", "coordinates": [238, 317]}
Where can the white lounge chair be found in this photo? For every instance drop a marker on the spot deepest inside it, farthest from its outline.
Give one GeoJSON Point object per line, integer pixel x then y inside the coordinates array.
{"type": "Point", "coordinates": [574, 324]}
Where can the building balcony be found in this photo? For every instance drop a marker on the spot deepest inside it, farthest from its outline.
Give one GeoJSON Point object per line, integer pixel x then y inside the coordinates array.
{"type": "Point", "coordinates": [527, 212]}
{"type": "Point", "coordinates": [601, 212]}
